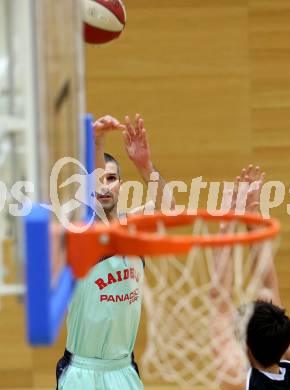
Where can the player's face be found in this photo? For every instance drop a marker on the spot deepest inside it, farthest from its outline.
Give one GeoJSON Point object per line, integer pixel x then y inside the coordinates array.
{"type": "Point", "coordinates": [108, 192]}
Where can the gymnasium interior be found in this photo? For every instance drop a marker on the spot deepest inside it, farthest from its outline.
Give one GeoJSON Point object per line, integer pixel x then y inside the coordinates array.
{"type": "Point", "coordinates": [211, 78]}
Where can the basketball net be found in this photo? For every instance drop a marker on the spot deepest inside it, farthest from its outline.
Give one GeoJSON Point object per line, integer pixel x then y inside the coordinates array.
{"type": "Point", "coordinates": [183, 296]}
{"type": "Point", "coordinates": [191, 300]}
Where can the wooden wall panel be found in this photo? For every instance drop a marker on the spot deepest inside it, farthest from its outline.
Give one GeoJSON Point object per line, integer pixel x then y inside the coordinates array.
{"type": "Point", "coordinates": [188, 77]}
{"type": "Point", "coordinates": [269, 31]}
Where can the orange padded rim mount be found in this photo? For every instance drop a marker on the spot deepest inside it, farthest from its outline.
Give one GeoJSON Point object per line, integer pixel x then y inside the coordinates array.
{"type": "Point", "coordinates": [138, 237]}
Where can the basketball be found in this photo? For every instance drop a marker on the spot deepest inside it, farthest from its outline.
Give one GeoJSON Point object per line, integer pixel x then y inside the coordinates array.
{"type": "Point", "coordinates": [104, 20]}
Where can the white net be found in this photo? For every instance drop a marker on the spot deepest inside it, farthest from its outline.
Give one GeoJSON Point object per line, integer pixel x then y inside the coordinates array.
{"type": "Point", "coordinates": [182, 299]}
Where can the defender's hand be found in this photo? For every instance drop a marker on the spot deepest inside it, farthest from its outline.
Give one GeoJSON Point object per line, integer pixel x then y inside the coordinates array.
{"type": "Point", "coordinates": [255, 177]}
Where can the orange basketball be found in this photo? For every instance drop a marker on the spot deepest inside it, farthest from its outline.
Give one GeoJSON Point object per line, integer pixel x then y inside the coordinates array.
{"type": "Point", "coordinates": [104, 20]}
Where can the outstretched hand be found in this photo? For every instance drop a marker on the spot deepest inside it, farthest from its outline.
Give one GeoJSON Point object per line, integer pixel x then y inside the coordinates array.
{"type": "Point", "coordinates": [136, 142]}
{"type": "Point", "coordinates": [247, 190]}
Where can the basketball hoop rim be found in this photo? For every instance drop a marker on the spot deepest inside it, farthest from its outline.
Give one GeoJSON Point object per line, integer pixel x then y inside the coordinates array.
{"type": "Point", "coordinates": [140, 236]}
{"type": "Point", "coordinates": [147, 228]}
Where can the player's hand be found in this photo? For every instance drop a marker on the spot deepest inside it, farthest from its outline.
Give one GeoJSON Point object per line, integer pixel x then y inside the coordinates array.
{"type": "Point", "coordinates": [106, 124]}
{"type": "Point", "coordinates": [136, 142]}
{"type": "Point", "coordinates": [254, 177]}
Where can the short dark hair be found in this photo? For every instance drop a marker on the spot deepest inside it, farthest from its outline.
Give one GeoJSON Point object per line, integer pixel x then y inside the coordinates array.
{"type": "Point", "coordinates": [268, 333]}
{"type": "Point", "coordinates": [109, 158]}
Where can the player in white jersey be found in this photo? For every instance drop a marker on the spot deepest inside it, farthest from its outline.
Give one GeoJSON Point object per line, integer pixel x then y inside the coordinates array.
{"type": "Point", "coordinates": [105, 310]}
{"type": "Point", "coordinates": [268, 331]}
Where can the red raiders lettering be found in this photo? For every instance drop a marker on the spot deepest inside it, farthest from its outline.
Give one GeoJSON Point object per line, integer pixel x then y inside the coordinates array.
{"type": "Point", "coordinates": [119, 276]}
{"type": "Point", "coordinates": [111, 279]}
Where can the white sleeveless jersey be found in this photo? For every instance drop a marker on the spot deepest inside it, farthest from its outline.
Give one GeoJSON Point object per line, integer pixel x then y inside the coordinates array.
{"type": "Point", "coordinates": [104, 314]}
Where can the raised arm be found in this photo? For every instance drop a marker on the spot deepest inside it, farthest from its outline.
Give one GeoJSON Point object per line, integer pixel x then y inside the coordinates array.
{"type": "Point", "coordinates": [138, 150]}
{"type": "Point", "coordinates": [271, 283]}
{"type": "Point", "coordinates": [232, 359]}
{"type": "Point", "coordinates": [255, 177]}
{"type": "Point", "coordinates": [102, 126]}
